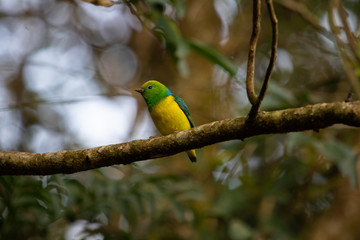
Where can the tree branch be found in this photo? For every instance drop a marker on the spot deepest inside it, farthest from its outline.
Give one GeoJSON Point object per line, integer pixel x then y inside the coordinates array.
{"type": "Point", "coordinates": [250, 89]}
{"type": "Point", "coordinates": [274, 24]}
{"type": "Point", "coordinates": [312, 117]}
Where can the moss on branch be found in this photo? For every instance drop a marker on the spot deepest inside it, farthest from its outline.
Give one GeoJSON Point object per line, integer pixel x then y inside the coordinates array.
{"type": "Point", "coordinates": [312, 117]}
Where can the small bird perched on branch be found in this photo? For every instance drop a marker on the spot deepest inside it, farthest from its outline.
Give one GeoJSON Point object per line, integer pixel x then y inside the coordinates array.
{"type": "Point", "coordinates": [168, 111]}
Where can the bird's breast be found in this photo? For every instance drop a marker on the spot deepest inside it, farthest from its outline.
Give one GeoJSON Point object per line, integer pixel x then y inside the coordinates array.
{"type": "Point", "coordinates": [168, 116]}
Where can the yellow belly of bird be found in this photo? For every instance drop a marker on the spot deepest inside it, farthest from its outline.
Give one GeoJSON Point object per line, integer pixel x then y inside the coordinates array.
{"type": "Point", "coordinates": [168, 116]}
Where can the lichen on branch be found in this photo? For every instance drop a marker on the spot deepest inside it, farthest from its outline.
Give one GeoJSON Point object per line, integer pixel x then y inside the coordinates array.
{"type": "Point", "coordinates": [312, 117]}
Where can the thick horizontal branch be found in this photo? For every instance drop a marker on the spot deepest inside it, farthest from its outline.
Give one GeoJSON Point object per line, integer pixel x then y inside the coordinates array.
{"type": "Point", "coordinates": [312, 117]}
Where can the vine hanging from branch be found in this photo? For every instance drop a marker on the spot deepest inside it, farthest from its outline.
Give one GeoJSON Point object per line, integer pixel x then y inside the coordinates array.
{"type": "Point", "coordinates": [250, 88]}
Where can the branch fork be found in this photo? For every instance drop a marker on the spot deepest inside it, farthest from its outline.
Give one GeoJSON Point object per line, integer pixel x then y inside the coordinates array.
{"type": "Point", "coordinates": [250, 89]}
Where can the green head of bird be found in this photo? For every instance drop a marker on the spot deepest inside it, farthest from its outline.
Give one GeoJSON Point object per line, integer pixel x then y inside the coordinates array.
{"type": "Point", "coordinates": [153, 91]}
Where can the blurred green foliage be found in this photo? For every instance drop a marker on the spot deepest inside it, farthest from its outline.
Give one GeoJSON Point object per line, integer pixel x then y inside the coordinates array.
{"type": "Point", "coordinates": [288, 186]}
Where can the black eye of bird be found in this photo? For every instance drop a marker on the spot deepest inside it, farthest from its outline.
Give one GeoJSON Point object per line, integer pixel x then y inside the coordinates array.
{"type": "Point", "coordinates": [150, 87]}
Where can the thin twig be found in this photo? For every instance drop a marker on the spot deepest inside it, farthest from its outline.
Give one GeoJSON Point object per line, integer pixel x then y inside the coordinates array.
{"type": "Point", "coordinates": [134, 12]}
{"type": "Point", "coordinates": [275, 36]}
{"type": "Point", "coordinates": [340, 45]}
{"type": "Point", "coordinates": [250, 89]}
{"type": "Point", "coordinates": [303, 11]}
{"type": "Point", "coordinates": [104, 3]}
{"type": "Point", "coordinates": [349, 35]}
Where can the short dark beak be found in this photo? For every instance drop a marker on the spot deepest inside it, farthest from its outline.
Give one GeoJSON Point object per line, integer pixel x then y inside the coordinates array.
{"type": "Point", "coordinates": [140, 90]}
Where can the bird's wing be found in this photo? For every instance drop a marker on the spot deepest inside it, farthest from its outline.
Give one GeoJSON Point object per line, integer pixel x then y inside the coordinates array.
{"type": "Point", "coordinates": [185, 109]}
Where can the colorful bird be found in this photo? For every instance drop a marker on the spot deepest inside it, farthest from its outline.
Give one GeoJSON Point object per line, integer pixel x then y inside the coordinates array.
{"type": "Point", "coordinates": [168, 111]}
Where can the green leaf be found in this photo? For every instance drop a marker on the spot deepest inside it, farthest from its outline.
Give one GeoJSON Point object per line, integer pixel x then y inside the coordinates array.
{"type": "Point", "coordinates": [177, 4]}
{"type": "Point", "coordinates": [342, 155]}
{"type": "Point", "coordinates": [357, 72]}
{"type": "Point", "coordinates": [213, 56]}
{"type": "Point", "coordinates": [180, 7]}
{"type": "Point", "coordinates": [296, 139]}
{"type": "Point", "coordinates": [167, 28]}
{"type": "Point", "coordinates": [240, 230]}
{"type": "Point", "coordinates": [179, 47]}
{"type": "Point", "coordinates": [278, 97]}
{"type": "Point", "coordinates": [171, 33]}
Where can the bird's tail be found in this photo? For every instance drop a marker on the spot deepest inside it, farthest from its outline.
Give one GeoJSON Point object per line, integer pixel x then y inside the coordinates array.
{"type": "Point", "coordinates": [192, 155]}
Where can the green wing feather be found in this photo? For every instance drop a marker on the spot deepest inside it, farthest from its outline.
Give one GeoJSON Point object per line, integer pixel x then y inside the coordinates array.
{"type": "Point", "coordinates": [185, 109]}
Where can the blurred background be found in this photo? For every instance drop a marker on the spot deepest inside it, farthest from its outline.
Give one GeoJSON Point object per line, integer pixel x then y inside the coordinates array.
{"type": "Point", "coordinates": [68, 70]}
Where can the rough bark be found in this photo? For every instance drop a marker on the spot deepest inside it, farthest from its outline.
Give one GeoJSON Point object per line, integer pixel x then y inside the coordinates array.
{"type": "Point", "coordinates": [312, 117]}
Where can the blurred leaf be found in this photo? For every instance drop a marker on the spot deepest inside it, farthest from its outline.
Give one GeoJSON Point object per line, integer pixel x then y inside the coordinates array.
{"type": "Point", "coordinates": [278, 97]}
{"type": "Point", "coordinates": [238, 230]}
{"type": "Point", "coordinates": [342, 155]}
{"type": "Point", "coordinates": [180, 7]}
{"type": "Point", "coordinates": [177, 4]}
{"type": "Point", "coordinates": [357, 72]}
{"type": "Point", "coordinates": [297, 139]}
{"type": "Point", "coordinates": [178, 46]}
{"type": "Point", "coordinates": [213, 56]}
